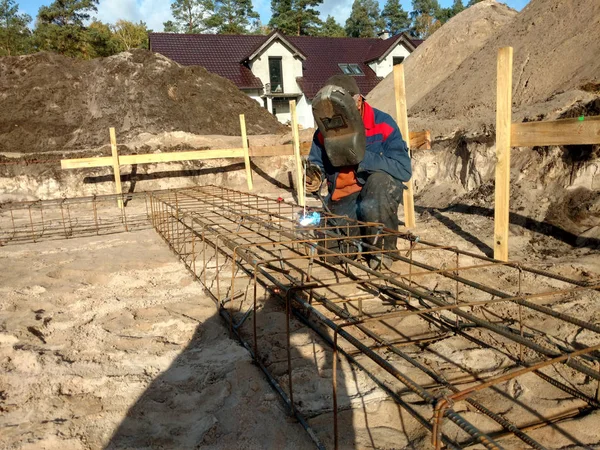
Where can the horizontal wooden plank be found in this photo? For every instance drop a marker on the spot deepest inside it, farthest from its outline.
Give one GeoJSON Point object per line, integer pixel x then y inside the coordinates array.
{"type": "Point", "coordinates": [418, 139]}
{"type": "Point", "coordinates": [579, 131]}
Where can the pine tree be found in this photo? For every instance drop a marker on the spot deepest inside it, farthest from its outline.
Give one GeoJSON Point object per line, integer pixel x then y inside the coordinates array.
{"type": "Point", "coordinates": [233, 16]}
{"type": "Point", "coordinates": [457, 7]}
{"type": "Point", "coordinates": [331, 28]}
{"type": "Point", "coordinates": [425, 16]}
{"type": "Point", "coordinates": [472, 2]}
{"type": "Point", "coordinates": [60, 27]}
{"type": "Point", "coordinates": [396, 19]}
{"type": "Point", "coordinates": [170, 27]}
{"type": "Point", "coordinates": [364, 20]}
{"type": "Point", "coordinates": [296, 17]}
{"type": "Point", "coordinates": [190, 15]}
{"type": "Point", "coordinates": [14, 34]}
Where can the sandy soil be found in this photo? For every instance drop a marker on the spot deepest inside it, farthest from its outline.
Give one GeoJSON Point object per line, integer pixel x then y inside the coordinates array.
{"type": "Point", "coordinates": [87, 328]}
{"type": "Point", "coordinates": [108, 342]}
{"type": "Point", "coordinates": [442, 53]}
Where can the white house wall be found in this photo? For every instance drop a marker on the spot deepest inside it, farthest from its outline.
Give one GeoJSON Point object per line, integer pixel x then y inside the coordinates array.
{"type": "Point", "coordinates": [385, 67]}
{"type": "Point", "coordinates": [291, 66]}
{"type": "Point", "coordinates": [304, 112]}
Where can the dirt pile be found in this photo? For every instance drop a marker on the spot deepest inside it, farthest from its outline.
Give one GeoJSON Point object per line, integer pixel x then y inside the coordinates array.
{"type": "Point", "coordinates": [441, 54]}
{"type": "Point", "coordinates": [555, 62]}
{"type": "Point", "coordinates": [50, 102]}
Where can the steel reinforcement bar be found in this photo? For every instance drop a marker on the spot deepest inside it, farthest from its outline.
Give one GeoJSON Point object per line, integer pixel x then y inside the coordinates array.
{"type": "Point", "coordinates": [213, 229]}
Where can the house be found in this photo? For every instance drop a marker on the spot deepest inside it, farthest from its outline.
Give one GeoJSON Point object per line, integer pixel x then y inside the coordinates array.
{"type": "Point", "coordinates": [275, 69]}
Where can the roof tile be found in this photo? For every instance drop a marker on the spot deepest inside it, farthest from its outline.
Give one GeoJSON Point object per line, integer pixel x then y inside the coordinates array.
{"type": "Point", "coordinates": [222, 54]}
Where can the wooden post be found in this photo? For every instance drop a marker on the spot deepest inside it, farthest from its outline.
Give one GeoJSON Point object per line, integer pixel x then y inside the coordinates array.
{"type": "Point", "coordinates": [298, 160]}
{"type": "Point", "coordinates": [115, 164]}
{"type": "Point", "coordinates": [503, 130]}
{"type": "Point", "coordinates": [246, 153]}
{"type": "Point", "coordinates": [402, 119]}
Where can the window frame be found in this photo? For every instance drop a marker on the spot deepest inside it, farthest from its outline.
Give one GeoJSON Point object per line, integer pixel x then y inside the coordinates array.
{"type": "Point", "coordinates": [278, 59]}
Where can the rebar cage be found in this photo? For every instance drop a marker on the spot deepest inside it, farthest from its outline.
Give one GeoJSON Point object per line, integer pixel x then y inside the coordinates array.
{"type": "Point", "coordinates": [252, 257]}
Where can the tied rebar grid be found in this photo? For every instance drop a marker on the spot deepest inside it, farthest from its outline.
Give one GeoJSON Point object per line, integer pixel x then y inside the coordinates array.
{"type": "Point", "coordinates": [246, 249]}
{"type": "Point", "coordinates": [65, 218]}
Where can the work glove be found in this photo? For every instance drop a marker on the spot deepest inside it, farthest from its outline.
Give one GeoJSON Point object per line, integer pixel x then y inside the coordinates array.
{"type": "Point", "coordinates": [313, 178]}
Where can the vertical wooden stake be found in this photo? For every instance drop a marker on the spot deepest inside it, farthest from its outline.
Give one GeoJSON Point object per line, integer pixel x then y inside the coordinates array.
{"type": "Point", "coordinates": [503, 125]}
{"type": "Point", "coordinates": [402, 119]}
{"type": "Point", "coordinates": [298, 160]}
{"type": "Point", "coordinates": [116, 168]}
{"type": "Point", "coordinates": [246, 154]}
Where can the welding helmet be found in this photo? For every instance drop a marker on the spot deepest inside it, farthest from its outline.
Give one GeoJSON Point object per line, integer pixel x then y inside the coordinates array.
{"type": "Point", "coordinates": [340, 122]}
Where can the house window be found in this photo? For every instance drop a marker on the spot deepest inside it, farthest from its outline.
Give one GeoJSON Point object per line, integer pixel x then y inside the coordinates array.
{"type": "Point", "coordinates": [351, 69]}
{"type": "Point", "coordinates": [281, 106]}
{"type": "Point", "coordinates": [276, 74]}
{"type": "Point", "coordinates": [398, 60]}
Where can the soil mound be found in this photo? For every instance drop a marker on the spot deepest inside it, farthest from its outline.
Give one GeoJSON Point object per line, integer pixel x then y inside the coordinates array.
{"type": "Point", "coordinates": [556, 49]}
{"type": "Point", "coordinates": [440, 55]}
{"type": "Point", "coordinates": [51, 102]}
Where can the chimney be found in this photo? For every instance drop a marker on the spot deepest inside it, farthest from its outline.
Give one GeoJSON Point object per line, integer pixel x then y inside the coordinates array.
{"type": "Point", "coordinates": [384, 35]}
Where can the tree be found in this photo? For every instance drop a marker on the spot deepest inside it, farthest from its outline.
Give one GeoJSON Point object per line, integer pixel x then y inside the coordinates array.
{"type": "Point", "coordinates": [60, 27]}
{"type": "Point", "coordinates": [396, 19]}
{"type": "Point", "coordinates": [170, 27]}
{"type": "Point", "coordinates": [128, 35]}
{"type": "Point", "coordinates": [14, 34]}
{"type": "Point", "coordinates": [331, 28]}
{"type": "Point", "coordinates": [99, 40]}
{"type": "Point", "coordinates": [233, 16]}
{"type": "Point", "coordinates": [364, 20]}
{"type": "Point", "coordinates": [296, 17]}
{"type": "Point", "coordinates": [457, 7]}
{"type": "Point", "coordinates": [425, 15]}
{"type": "Point", "coordinates": [190, 15]}
{"type": "Point", "coordinates": [472, 2]}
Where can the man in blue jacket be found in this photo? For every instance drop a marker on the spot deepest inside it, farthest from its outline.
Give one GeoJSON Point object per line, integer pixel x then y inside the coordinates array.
{"type": "Point", "coordinates": [372, 190]}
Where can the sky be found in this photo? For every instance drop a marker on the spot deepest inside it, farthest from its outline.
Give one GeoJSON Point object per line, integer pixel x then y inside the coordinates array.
{"type": "Point", "coordinates": [155, 12]}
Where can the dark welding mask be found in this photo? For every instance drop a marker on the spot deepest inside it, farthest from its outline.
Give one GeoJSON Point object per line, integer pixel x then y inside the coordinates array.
{"type": "Point", "coordinates": [341, 125]}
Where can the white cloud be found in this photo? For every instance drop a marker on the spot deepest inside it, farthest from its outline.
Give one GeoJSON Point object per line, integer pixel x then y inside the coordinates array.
{"type": "Point", "coordinates": [339, 9]}
{"type": "Point", "coordinates": [152, 12]}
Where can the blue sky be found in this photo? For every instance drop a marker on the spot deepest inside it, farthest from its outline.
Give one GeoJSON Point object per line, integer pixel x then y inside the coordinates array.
{"type": "Point", "coordinates": [155, 12]}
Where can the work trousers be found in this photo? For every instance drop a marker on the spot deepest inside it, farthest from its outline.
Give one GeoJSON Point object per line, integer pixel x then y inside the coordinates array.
{"type": "Point", "coordinates": [377, 201]}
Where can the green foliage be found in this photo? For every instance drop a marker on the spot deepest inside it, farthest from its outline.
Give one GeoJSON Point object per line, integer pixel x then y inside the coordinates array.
{"type": "Point", "coordinates": [14, 34]}
{"type": "Point", "coordinates": [331, 28]}
{"type": "Point", "coordinates": [128, 35]}
{"type": "Point", "coordinates": [233, 16]}
{"type": "Point", "coordinates": [429, 7]}
{"type": "Point", "coordinates": [190, 15]}
{"type": "Point", "coordinates": [67, 12]}
{"type": "Point", "coordinates": [396, 19]}
{"type": "Point", "coordinates": [60, 27]}
{"type": "Point", "coordinates": [457, 7]}
{"type": "Point", "coordinates": [170, 27]}
{"type": "Point", "coordinates": [472, 2]}
{"type": "Point", "coordinates": [296, 17]}
{"type": "Point", "coordinates": [99, 40]}
{"type": "Point", "coordinates": [365, 20]}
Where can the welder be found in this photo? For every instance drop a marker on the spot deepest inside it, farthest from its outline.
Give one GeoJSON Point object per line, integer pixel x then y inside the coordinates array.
{"type": "Point", "coordinates": [360, 152]}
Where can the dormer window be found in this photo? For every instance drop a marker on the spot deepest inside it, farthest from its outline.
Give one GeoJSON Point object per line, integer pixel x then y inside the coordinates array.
{"type": "Point", "coordinates": [351, 69]}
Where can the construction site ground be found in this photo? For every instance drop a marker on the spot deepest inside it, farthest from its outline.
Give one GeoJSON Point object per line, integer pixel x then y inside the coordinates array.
{"type": "Point", "coordinates": [108, 342]}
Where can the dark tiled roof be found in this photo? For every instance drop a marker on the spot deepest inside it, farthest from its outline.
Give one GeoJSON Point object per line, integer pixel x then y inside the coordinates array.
{"type": "Point", "coordinates": [417, 42]}
{"type": "Point", "coordinates": [380, 48]}
{"type": "Point", "coordinates": [323, 55]}
{"type": "Point", "coordinates": [217, 53]}
{"type": "Point", "coordinates": [222, 54]}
